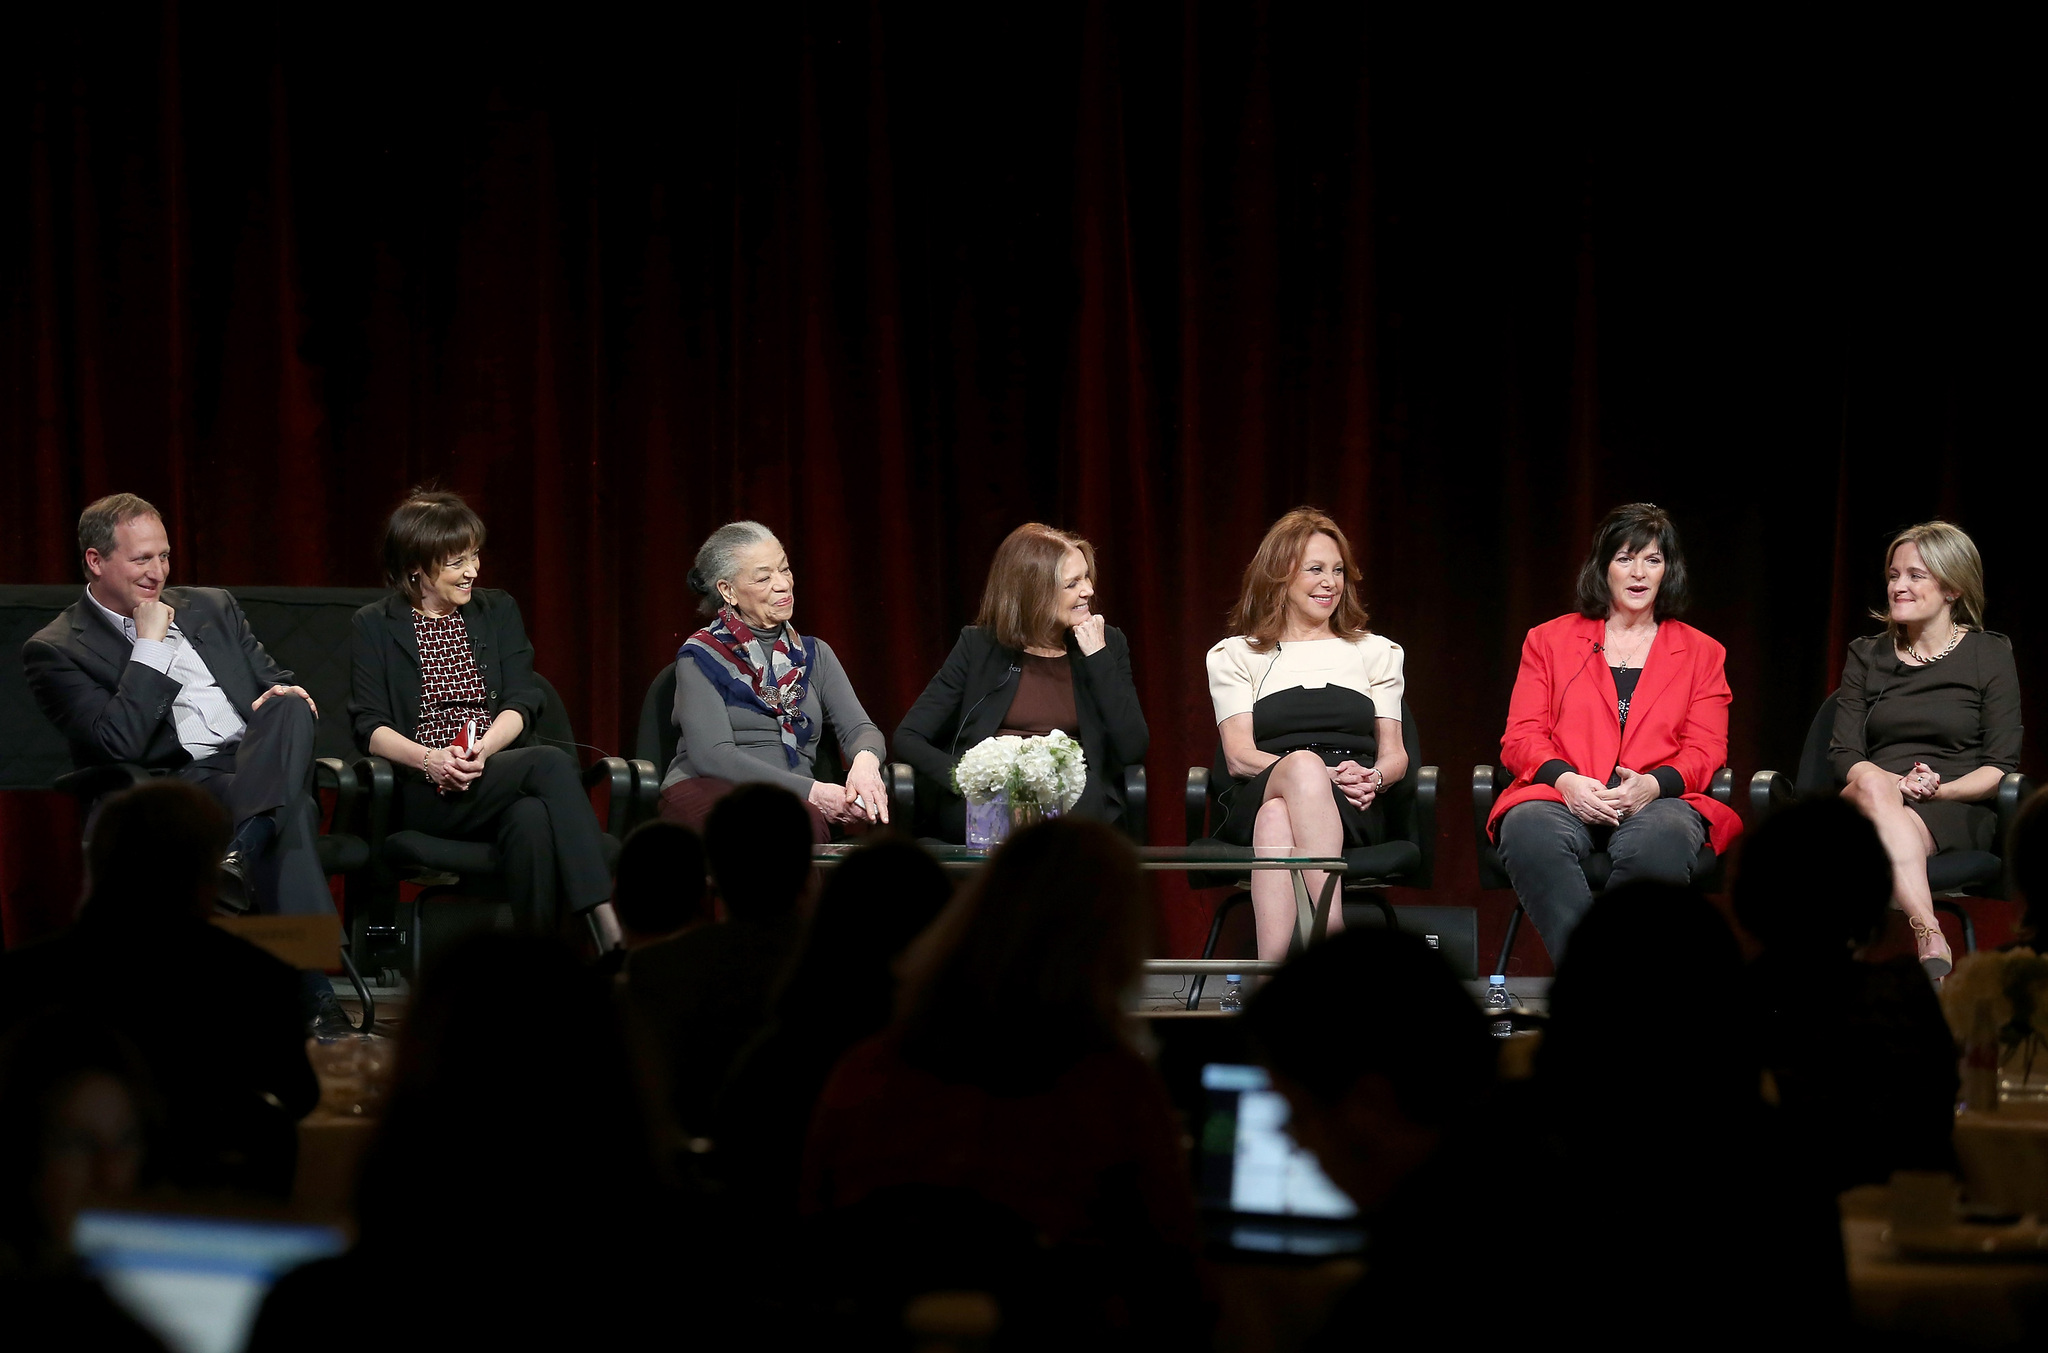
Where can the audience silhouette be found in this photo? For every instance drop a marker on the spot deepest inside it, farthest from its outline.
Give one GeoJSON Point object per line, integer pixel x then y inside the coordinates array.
{"type": "Point", "coordinates": [1863, 1062]}
{"type": "Point", "coordinates": [702, 995]}
{"type": "Point", "coordinates": [232, 1097]}
{"type": "Point", "coordinates": [841, 989]}
{"type": "Point", "coordinates": [1651, 1102]}
{"type": "Point", "coordinates": [513, 1196]}
{"type": "Point", "coordinates": [1004, 1136]}
{"type": "Point", "coordinates": [1388, 1070]}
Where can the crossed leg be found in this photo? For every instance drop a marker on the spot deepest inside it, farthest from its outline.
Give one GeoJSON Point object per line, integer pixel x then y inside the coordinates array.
{"type": "Point", "coordinates": [1906, 840]}
{"type": "Point", "coordinates": [1299, 813]}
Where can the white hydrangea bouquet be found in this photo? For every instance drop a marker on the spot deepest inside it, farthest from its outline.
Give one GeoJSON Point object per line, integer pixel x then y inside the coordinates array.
{"type": "Point", "coordinates": [1011, 782]}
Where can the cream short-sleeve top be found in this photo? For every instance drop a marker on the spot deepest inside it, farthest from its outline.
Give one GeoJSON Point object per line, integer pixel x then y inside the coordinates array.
{"type": "Point", "coordinates": [1239, 678]}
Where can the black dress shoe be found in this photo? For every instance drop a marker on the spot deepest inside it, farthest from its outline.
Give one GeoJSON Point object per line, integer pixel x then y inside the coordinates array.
{"type": "Point", "coordinates": [331, 1021]}
{"type": "Point", "coordinates": [235, 894]}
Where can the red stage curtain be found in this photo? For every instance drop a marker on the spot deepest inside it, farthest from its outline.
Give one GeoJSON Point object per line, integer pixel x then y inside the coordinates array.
{"type": "Point", "coordinates": [893, 281]}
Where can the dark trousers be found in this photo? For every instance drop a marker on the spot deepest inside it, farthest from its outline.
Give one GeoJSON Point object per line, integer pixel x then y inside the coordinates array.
{"type": "Point", "coordinates": [1545, 849]}
{"type": "Point", "coordinates": [689, 802]}
{"type": "Point", "coordinates": [531, 804]}
{"type": "Point", "coordinates": [270, 771]}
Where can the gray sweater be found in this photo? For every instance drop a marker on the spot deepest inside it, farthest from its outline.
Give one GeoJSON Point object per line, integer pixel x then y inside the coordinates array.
{"type": "Point", "coordinates": [744, 744]}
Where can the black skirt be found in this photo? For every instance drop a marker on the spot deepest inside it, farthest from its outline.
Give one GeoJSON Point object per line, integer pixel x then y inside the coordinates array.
{"type": "Point", "coordinates": [1335, 722]}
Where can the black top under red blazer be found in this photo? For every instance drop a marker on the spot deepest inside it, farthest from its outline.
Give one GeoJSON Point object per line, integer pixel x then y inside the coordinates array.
{"type": "Point", "coordinates": [970, 697]}
{"type": "Point", "coordinates": [111, 709]}
{"type": "Point", "coordinates": [384, 664]}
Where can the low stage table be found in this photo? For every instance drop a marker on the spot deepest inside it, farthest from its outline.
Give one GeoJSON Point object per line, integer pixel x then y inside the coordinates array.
{"type": "Point", "coordinates": [1311, 914]}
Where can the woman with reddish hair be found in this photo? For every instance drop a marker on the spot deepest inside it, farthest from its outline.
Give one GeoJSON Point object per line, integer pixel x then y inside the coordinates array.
{"type": "Point", "coordinates": [1035, 659]}
{"type": "Point", "coordinates": [1308, 708]}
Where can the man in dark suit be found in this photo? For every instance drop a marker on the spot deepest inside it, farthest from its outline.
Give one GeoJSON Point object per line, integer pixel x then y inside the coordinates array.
{"type": "Point", "coordinates": [172, 679]}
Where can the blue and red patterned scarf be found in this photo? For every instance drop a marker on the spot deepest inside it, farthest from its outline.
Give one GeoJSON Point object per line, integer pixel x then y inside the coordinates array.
{"type": "Point", "coordinates": [774, 681]}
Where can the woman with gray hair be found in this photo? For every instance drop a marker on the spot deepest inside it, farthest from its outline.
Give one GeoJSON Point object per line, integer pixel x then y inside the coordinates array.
{"type": "Point", "coordinates": [753, 696]}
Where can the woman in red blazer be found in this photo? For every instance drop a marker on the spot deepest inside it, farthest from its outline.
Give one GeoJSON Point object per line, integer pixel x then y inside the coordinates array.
{"type": "Point", "coordinates": [1618, 722]}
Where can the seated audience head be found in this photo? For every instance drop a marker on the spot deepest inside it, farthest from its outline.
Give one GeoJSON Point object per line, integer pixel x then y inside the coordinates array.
{"type": "Point", "coordinates": [661, 886]}
{"type": "Point", "coordinates": [124, 551]}
{"type": "Point", "coordinates": [874, 904]}
{"type": "Point", "coordinates": [1024, 974]}
{"type": "Point", "coordinates": [1380, 1052]}
{"type": "Point", "coordinates": [74, 1113]}
{"type": "Point", "coordinates": [2026, 855]}
{"type": "Point", "coordinates": [1813, 880]}
{"type": "Point", "coordinates": [1041, 584]}
{"type": "Point", "coordinates": [153, 854]}
{"type": "Point", "coordinates": [432, 551]}
{"type": "Point", "coordinates": [1613, 1038]}
{"type": "Point", "coordinates": [1940, 552]}
{"type": "Point", "coordinates": [742, 567]}
{"type": "Point", "coordinates": [758, 840]}
{"type": "Point", "coordinates": [1300, 553]}
{"type": "Point", "coordinates": [494, 1127]}
{"type": "Point", "coordinates": [1634, 532]}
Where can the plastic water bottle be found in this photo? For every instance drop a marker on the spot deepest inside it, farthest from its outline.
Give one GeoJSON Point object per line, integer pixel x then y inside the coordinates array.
{"type": "Point", "coordinates": [1232, 1000]}
{"type": "Point", "coordinates": [1497, 1005]}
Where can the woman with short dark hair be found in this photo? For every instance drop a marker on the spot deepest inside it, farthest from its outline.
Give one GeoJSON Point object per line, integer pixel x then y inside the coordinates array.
{"type": "Point", "coordinates": [754, 697]}
{"type": "Point", "coordinates": [1928, 720]}
{"type": "Point", "coordinates": [1618, 721]}
{"type": "Point", "coordinates": [442, 687]}
{"type": "Point", "coordinates": [1037, 658]}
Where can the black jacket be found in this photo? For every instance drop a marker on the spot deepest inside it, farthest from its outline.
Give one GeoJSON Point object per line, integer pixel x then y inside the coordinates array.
{"type": "Point", "coordinates": [111, 709]}
{"type": "Point", "coordinates": [970, 697]}
{"type": "Point", "coordinates": [384, 664]}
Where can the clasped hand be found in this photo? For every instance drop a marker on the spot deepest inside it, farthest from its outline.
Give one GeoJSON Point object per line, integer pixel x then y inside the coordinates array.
{"type": "Point", "coordinates": [1359, 784]}
{"type": "Point", "coordinates": [1598, 805]}
{"type": "Point", "coordinates": [453, 768]}
{"type": "Point", "coordinates": [1920, 784]}
{"type": "Point", "coordinates": [861, 799]}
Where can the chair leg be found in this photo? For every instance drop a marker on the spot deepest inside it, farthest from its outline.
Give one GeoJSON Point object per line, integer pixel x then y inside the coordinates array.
{"type": "Point", "coordinates": [1507, 944]}
{"type": "Point", "coordinates": [355, 978]}
{"type": "Point", "coordinates": [1209, 946]}
{"type": "Point", "coordinates": [1962, 914]}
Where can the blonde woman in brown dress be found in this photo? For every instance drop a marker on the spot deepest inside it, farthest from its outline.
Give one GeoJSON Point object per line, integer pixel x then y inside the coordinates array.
{"type": "Point", "coordinates": [1929, 719]}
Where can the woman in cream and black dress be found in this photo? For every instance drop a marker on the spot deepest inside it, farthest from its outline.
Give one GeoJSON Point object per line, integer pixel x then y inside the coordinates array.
{"type": "Point", "coordinates": [1308, 707]}
{"type": "Point", "coordinates": [1928, 720]}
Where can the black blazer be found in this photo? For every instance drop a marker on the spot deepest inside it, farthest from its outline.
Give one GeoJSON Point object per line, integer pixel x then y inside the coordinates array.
{"type": "Point", "coordinates": [111, 709]}
{"type": "Point", "coordinates": [384, 664]}
{"type": "Point", "coordinates": [970, 697]}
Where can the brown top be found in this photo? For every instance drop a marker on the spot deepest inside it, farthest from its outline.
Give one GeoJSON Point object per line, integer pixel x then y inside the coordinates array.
{"type": "Point", "coordinates": [1045, 699]}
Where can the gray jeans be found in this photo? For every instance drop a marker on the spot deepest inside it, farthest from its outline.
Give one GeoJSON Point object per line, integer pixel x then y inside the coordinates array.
{"type": "Point", "coordinates": [1545, 850]}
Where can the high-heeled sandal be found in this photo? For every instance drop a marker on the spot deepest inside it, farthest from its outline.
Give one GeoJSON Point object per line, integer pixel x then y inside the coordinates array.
{"type": "Point", "coordinates": [1936, 960]}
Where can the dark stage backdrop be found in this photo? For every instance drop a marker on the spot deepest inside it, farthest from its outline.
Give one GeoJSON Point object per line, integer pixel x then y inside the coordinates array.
{"type": "Point", "coordinates": [894, 279]}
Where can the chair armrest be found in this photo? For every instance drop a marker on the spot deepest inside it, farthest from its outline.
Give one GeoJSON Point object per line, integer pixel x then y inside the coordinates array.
{"type": "Point", "coordinates": [2014, 790]}
{"type": "Point", "coordinates": [1722, 787]}
{"type": "Point", "coordinates": [382, 781]}
{"type": "Point", "coordinates": [902, 796]}
{"type": "Point", "coordinates": [618, 772]}
{"type": "Point", "coordinates": [1197, 803]}
{"type": "Point", "coordinates": [646, 792]}
{"type": "Point", "coordinates": [1484, 778]}
{"type": "Point", "coordinates": [1425, 826]}
{"type": "Point", "coordinates": [333, 773]}
{"type": "Point", "coordinates": [93, 782]}
{"type": "Point", "coordinates": [1769, 790]}
{"type": "Point", "coordinates": [1136, 825]}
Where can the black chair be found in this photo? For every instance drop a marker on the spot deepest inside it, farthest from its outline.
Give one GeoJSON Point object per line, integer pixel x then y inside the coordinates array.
{"type": "Point", "coordinates": [306, 629]}
{"type": "Point", "coordinates": [1950, 874]}
{"type": "Point", "coordinates": [462, 886]}
{"type": "Point", "coordinates": [656, 746]}
{"type": "Point", "coordinates": [1487, 781]}
{"type": "Point", "coordinates": [1407, 858]}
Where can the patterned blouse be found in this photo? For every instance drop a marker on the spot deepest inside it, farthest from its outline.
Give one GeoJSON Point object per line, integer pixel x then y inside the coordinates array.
{"type": "Point", "coordinates": [451, 687]}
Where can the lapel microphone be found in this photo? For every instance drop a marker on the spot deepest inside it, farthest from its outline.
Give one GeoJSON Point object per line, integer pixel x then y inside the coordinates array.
{"type": "Point", "coordinates": [961, 731]}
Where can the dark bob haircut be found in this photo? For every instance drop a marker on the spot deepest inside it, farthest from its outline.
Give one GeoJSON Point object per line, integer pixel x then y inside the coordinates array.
{"type": "Point", "coordinates": [429, 528]}
{"type": "Point", "coordinates": [1630, 527]}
